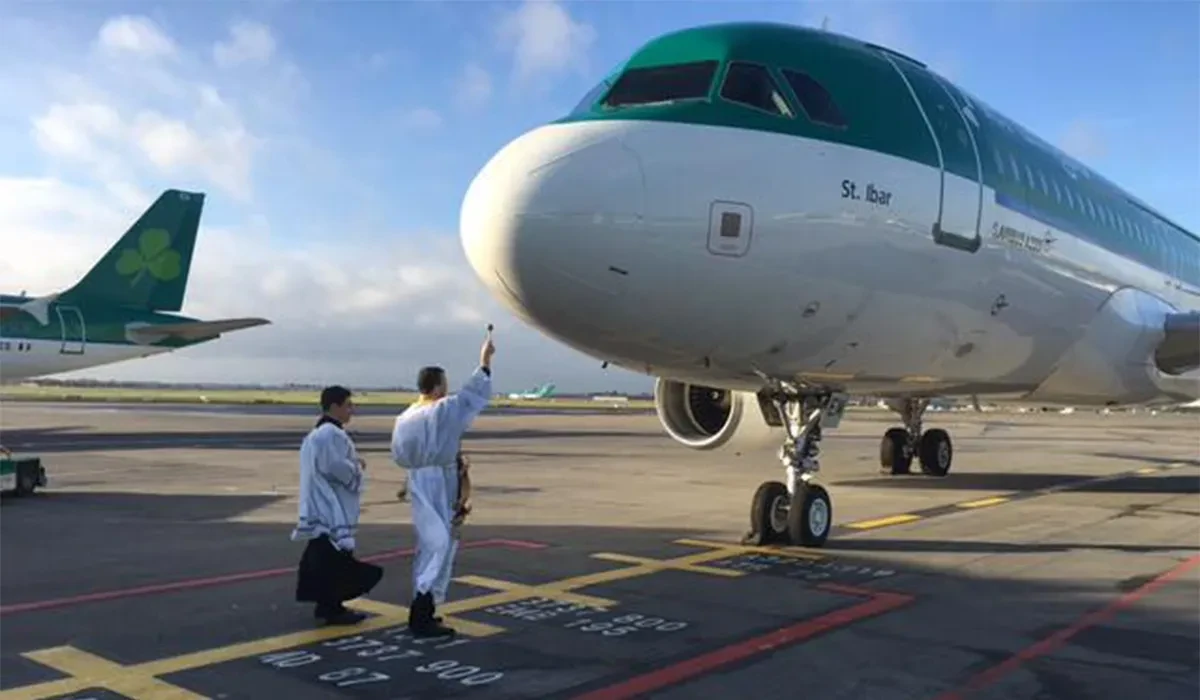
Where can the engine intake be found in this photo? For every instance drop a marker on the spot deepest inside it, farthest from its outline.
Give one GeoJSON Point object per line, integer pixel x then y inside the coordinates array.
{"type": "Point", "coordinates": [706, 418]}
{"type": "Point", "coordinates": [1114, 362]}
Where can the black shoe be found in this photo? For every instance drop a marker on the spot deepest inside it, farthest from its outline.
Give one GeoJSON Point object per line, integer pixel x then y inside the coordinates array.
{"type": "Point", "coordinates": [421, 620]}
{"type": "Point", "coordinates": [431, 629]}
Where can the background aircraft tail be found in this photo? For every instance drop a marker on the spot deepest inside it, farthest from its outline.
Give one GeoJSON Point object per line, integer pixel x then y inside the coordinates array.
{"type": "Point", "coordinates": [148, 268]}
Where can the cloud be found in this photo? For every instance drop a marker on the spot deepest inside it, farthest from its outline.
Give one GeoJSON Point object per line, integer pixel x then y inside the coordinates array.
{"type": "Point", "coordinates": [373, 312]}
{"type": "Point", "coordinates": [136, 35]}
{"type": "Point", "coordinates": [475, 86]}
{"type": "Point", "coordinates": [1084, 140]}
{"type": "Point", "coordinates": [421, 118]}
{"type": "Point", "coordinates": [104, 135]}
{"type": "Point", "coordinates": [249, 42]}
{"type": "Point", "coordinates": [213, 144]}
{"type": "Point", "coordinates": [544, 39]}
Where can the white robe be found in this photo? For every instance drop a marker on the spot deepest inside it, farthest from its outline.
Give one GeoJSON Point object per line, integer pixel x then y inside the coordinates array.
{"type": "Point", "coordinates": [425, 441]}
{"type": "Point", "coordinates": [331, 483]}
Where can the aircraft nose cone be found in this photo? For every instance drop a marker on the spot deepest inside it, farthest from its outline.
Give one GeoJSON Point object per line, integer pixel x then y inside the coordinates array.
{"type": "Point", "coordinates": [546, 219]}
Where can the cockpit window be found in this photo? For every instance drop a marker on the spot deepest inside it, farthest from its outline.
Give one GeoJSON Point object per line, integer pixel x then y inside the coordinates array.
{"type": "Point", "coordinates": [585, 104]}
{"type": "Point", "coordinates": [752, 85]}
{"type": "Point", "coordinates": [662, 84]}
{"type": "Point", "coordinates": [818, 104]}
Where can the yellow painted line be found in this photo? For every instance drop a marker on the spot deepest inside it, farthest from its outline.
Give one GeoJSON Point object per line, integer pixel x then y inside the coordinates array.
{"type": "Point", "coordinates": [1148, 470]}
{"type": "Point", "coordinates": [884, 522]}
{"type": "Point", "coordinates": [983, 502]}
{"type": "Point", "coordinates": [666, 566]}
{"type": "Point", "coordinates": [734, 549]}
{"type": "Point", "coordinates": [93, 671]}
{"type": "Point", "coordinates": [392, 616]}
{"type": "Point", "coordinates": [536, 591]}
{"type": "Point", "coordinates": [211, 657]}
{"type": "Point", "coordinates": [637, 570]}
{"type": "Point", "coordinates": [467, 627]}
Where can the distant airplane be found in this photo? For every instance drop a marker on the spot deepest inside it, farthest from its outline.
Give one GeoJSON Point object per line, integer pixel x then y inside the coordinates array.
{"type": "Point", "coordinates": [541, 392]}
{"type": "Point", "coordinates": [119, 310]}
{"type": "Point", "coordinates": [771, 218]}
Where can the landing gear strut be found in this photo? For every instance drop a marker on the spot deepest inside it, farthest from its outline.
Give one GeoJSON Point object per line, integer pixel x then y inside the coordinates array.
{"type": "Point", "coordinates": [899, 445]}
{"type": "Point", "coordinates": [798, 511]}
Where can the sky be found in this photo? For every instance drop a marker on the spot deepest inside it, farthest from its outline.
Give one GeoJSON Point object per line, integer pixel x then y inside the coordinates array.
{"type": "Point", "coordinates": [335, 141]}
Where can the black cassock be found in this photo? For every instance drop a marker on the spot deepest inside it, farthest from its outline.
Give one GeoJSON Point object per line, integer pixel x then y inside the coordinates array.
{"type": "Point", "coordinates": [328, 576]}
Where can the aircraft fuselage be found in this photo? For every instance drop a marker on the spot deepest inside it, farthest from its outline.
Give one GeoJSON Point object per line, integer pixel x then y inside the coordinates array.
{"type": "Point", "coordinates": [59, 338]}
{"type": "Point", "coordinates": [767, 218]}
{"type": "Point", "coordinates": [707, 242]}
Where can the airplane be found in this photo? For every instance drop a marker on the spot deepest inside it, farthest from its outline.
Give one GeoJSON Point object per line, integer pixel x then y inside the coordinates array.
{"type": "Point", "coordinates": [541, 392]}
{"type": "Point", "coordinates": [121, 309]}
{"type": "Point", "coordinates": [770, 218]}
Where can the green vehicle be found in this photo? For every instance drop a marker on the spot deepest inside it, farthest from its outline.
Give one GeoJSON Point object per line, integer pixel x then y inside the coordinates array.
{"type": "Point", "coordinates": [21, 474]}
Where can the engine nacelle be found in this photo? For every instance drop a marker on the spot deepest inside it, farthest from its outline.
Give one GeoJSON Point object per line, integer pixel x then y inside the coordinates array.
{"type": "Point", "coordinates": [1114, 362]}
{"type": "Point", "coordinates": [704, 418]}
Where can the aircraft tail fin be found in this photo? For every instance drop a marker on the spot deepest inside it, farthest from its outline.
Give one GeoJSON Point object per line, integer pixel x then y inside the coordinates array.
{"type": "Point", "coordinates": [148, 267]}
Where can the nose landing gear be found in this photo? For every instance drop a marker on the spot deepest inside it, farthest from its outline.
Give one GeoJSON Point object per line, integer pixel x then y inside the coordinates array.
{"type": "Point", "coordinates": [799, 511]}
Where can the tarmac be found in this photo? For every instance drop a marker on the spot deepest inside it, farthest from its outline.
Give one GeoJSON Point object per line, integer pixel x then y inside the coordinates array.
{"type": "Point", "coordinates": [1059, 559]}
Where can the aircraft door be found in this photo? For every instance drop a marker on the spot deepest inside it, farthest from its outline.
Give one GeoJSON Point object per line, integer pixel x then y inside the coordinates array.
{"type": "Point", "coordinates": [730, 226]}
{"type": "Point", "coordinates": [74, 332]}
{"type": "Point", "coordinates": [961, 205]}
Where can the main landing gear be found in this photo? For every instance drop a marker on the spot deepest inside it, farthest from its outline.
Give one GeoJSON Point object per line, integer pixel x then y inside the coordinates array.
{"type": "Point", "coordinates": [798, 511]}
{"type": "Point", "coordinates": [932, 447]}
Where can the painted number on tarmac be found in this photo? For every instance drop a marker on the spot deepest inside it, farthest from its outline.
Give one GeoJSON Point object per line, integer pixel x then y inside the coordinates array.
{"type": "Point", "coordinates": [585, 618]}
{"type": "Point", "coordinates": [621, 625]}
{"type": "Point", "coordinates": [363, 660]}
{"type": "Point", "coordinates": [539, 609]}
{"type": "Point", "coordinates": [805, 569]}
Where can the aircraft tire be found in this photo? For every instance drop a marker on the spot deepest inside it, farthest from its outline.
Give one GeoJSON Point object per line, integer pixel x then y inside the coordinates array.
{"type": "Point", "coordinates": [768, 519]}
{"type": "Point", "coordinates": [894, 457]}
{"type": "Point", "coordinates": [810, 517]}
{"type": "Point", "coordinates": [936, 452]}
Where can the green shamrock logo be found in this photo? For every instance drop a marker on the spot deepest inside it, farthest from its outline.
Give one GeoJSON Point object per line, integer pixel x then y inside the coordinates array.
{"type": "Point", "coordinates": [153, 255]}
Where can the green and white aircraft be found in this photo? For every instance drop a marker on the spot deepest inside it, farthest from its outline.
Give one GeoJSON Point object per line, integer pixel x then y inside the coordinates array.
{"type": "Point", "coordinates": [544, 391]}
{"type": "Point", "coordinates": [771, 218]}
{"type": "Point", "coordinates": [122, 308]}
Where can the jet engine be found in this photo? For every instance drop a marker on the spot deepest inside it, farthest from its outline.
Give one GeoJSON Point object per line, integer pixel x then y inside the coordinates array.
{"type": "Point", "coordinates": [705, 418]}
{"type": "Point", "coordinates": [1129, 354]}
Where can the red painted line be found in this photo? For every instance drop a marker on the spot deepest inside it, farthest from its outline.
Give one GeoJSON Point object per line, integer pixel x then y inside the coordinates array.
{"type": "Point", "coordinates": [1055, 641]}
{"type": "Point", "coordinates": [208, 582]}
{"type": "Point", "coordinates": [880, 602]}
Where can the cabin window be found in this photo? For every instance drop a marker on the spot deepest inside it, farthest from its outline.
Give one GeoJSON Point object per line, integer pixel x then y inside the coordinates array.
{"type": "Point", "coordinates": [662, 84]}
{"type": "Point", "coordinates": [999, 162]}
{"type": "Point", "coordinates": [816, 101]}
{"type": "Point", "coordinates": [1057, 192]}
{"type": "Point", "coordinates": [750, 84]}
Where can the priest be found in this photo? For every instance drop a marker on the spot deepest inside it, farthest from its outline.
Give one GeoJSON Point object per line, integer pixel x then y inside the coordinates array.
{"type": "Point", "coordinates": [331, 486]}
{"type": "Point", "coordinates": [425, 442]}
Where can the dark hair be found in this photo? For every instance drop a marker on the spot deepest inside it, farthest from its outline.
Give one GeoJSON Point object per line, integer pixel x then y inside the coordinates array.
{"type": "Point", "coordinates": [429, 378]}
{"type": "Point", "coordinates": [333, 396]}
